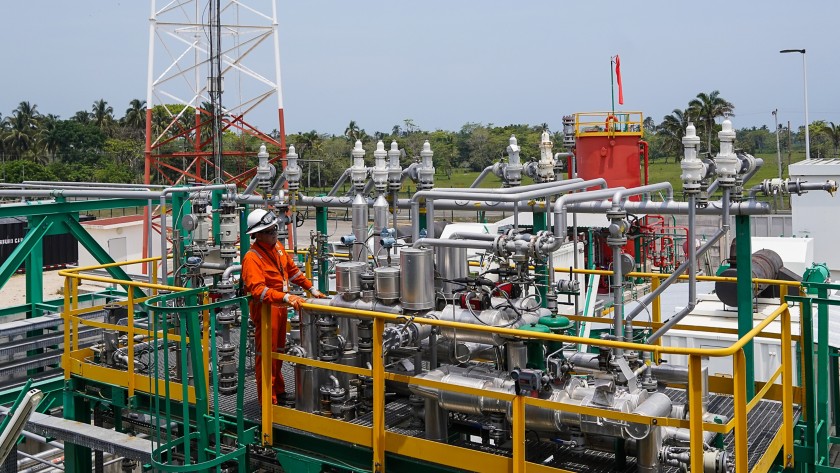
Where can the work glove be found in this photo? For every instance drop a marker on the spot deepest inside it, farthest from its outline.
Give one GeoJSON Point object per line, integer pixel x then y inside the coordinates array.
{"type": "Point", "coordinates": [317, 294]}
{"type": "Point", "coordinates": [294, 301]}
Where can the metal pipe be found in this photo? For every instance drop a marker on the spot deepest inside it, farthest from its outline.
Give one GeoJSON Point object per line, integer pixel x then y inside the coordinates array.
{"type": "Point", "coordinates": [673, 277]}
{"type": "Point", "coordinates": [230, 270]}
{"type": "Point", "coordinates": [339, 183]}
{"type": "Point", "coordinates": [621, 194]}
{"type": "Point", "coordinates": [55, 184]}
{"type": "Point", "coordinates": [749, 207]}
{"type": "Point", "coordinates": [561, 203]}
{"type": "Point", "coordinates": [550, 189]}
{"type": "Point", "coordinates": [447, 243]}
{"type": "Point", "coordinates": [618, 297]}
{"type": "Point", "coordinates": [692, 277]}
{"type": "Point", "coordinates": [481, 176]}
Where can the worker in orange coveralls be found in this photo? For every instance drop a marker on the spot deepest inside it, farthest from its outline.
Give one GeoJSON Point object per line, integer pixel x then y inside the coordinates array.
{"type": "Point", "coordinates": [266, 272]}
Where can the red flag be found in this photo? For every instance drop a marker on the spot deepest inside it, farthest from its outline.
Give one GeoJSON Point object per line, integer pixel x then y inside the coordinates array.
{"type": "Point", "coordinates": [618, 77]}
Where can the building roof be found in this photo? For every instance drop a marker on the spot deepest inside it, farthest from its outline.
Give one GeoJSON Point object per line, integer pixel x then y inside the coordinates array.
{"type": "Point", "coordinates": [124, 221]}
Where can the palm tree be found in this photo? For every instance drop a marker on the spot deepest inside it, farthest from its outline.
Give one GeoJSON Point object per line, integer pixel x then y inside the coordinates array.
{"type": "Point", "coordinates": [352, 131]}
{"type": "Point", "coordinates": [28, 112]}
{"type": "Point", "coordinates": [82, 116]}
{"type": "Point", "coordinates": [672, 130]}
{"type": "Point", "coordinates": [103, 114]}
{"type": "Point", "coordinates": [706, 108]}
{"type": "Point", "coordinates": [135, 114]}
{"type": "Point", "coordinates": [832, 132]}
{"type": "Point", "coordinates": [49, 136]}
{"type": "Point", "coordinates": [18, 138]}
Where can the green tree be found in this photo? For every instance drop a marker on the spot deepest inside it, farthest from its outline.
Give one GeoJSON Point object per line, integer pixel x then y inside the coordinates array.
{"type": "Point", "coordinates": [352, 131]}
{"type": "Point", "coordinates": [671, 132]}
{"type": "Point", "coordinates": [49, 137]}
{"type": "Point", "coordinates": [103, 114]}
{"type": "Point", "coordinates": [19, 135]}
{"type": "Point", "coordinates": [832, 132]}
{"type": "Point", "coordinates": [135, 115]}
{"type": "Point", "coordinates": [706, 108]}
{"type": "Point", "coordinates": [83, 117]}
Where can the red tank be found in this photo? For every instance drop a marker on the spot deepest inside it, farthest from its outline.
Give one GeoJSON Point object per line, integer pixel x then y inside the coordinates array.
{"type": "Point", "coordinates": [607, 146]}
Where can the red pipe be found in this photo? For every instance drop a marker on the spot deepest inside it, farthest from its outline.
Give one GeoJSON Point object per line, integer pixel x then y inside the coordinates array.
{"type": "Point", "coordinates": [645, 147]}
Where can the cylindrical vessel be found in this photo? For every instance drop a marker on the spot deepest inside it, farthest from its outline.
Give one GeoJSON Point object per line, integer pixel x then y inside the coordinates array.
{"type": "Point", "coordinates": [359, 251]}
{"type": "Point", "coordinates": [766, 264]}
{"type": "Point", "coordinates": [348, 277]}
{"type": "Point", "coordinates": [451, 264]}
{"type": "Point", "coordinates": [380, 221]}
{"type": "Point", "coordinates": [387, 282]}
{"type": "Point", "coordinates": [417, 283]}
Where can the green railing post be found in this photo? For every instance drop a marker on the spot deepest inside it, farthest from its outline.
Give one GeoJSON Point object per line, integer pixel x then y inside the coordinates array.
{"type": "Point", "coordinates": [745, 294]}
{"type": "Point", "coordinates": [823, 379]}
{"type": "Point", "coordinates": [323, 266]}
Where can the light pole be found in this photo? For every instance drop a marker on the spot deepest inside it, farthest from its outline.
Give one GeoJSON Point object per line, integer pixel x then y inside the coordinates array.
{"type": "Point", "coordinates": [805, 81]}
{"type": "Point", "coordinates": [778, 148]}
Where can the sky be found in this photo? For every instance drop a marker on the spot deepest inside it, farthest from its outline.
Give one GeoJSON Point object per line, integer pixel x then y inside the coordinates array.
{"type": "Point", "coordinates": [444, 63]}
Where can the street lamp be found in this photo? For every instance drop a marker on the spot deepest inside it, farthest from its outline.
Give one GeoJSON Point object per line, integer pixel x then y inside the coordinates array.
{"type": "Point", "coordinates": [805, 81]}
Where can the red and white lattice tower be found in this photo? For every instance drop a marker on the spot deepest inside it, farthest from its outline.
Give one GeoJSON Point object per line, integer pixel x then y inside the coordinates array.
{"type": "Point", "coordinates": [193, 43]}
{"type": "Point", "coordinates": [183, 41]}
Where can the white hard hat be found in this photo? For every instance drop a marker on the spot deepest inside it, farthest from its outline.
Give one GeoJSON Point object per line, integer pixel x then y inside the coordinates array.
{"type": "Point", "coordinates": [259, 220]}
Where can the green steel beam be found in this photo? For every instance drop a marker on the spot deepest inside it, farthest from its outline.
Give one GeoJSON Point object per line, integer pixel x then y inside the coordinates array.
{"type": "Point", "coordinates": [77, 459]}
{"type": "Point", "coordinates": [30, 241]}
{"type": "Point", "coordinates": [98, 253]}
{"type": "Point", "coordinates": [50, 207]}
{"type": "Point", "coordinates": [743, 249]}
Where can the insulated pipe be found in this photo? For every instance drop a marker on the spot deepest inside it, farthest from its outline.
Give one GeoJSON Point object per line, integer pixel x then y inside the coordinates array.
{"type": "Point", "coordinates": [447, 243]}
{"type": "Point", "coordinates": [54, 184]}
{"type": "Point", "coordinates": [749, 207]}
{"type": "Point", "coordinates": [275, 189]}
{"type": "Point", "coordinates": [518, 196]}
{"type": "Point", "coordinates": [561, 203]}
{"type": "Point", "coordinates": [341, 180]}
{"type": "Point", "coordinates": [481, 176]}
{"type": "Point", "coordinates": [621, 194]}
{"type": "Point", "coordinates": [229, 271]}
{"type": "Point", "coordinates": [530, 187]}
{"type": "Point", "coordinates": [618, 297]}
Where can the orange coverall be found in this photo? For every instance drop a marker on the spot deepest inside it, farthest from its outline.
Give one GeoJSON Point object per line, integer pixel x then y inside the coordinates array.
{"type": "Point", "coordinates": [266, 273]}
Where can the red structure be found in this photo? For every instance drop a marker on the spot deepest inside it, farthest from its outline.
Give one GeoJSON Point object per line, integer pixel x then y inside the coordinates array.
{"type": "Point", "coordinates": [610, 146]}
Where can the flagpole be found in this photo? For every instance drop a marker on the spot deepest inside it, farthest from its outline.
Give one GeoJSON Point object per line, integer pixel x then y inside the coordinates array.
{"type": "Point", "coordinates": [612, 83]}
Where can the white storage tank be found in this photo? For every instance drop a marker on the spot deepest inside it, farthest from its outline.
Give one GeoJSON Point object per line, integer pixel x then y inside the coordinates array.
{"type": "Point", "coordinates": [815, 213]}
